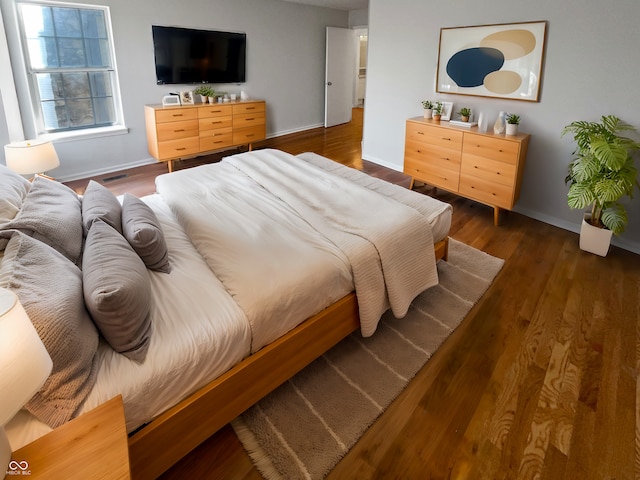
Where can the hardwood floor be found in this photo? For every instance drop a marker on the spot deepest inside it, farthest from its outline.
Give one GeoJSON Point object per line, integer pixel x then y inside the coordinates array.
{"type": "Point", "coordinates": [539, 382]}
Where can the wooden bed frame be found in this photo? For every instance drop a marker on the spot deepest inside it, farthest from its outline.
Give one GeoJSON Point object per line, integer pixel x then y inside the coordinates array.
{"type": "Point", "coordinates": [172, 435]}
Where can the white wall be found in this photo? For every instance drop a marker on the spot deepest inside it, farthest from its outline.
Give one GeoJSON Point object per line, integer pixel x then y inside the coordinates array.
{"type": "Point", "coordinates": [285, 66]}
{"type": "Point", "coordinates": [590, 70]}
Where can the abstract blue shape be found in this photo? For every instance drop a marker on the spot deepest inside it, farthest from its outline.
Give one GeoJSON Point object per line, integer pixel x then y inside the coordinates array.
{"type": "Point", "coordinates": [469, 67]}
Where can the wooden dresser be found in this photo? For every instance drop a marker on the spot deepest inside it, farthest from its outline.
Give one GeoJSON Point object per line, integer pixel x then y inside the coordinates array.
{"type": "Point", "coordinates": [185, 131]}
{"type": "Point", "coordinates": [483, 166]}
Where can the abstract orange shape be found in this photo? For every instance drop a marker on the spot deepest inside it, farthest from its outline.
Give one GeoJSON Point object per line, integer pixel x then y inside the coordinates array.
{"type": "Point", "coordinates": [502, 82]}
{"type": "Point", "coordinates": [512, 43]}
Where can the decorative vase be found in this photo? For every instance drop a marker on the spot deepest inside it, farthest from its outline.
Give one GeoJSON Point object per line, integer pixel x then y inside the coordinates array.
{"type": "Point", "coordinates": [593, 239]}
{"type": "Point", "coordinates": [428, 113]}
{"type": "Point", "coordinates": [499, 126]}
{"type": "Point", "coordinates": [212, 99]}
{"type": "Point", "coordinates": [436, 117]}
{"type": "Point", "coordinates": [512, 129]}
{"type": "Point", "coordinates": [203, 98]}
{"type": "Point", "coordinates": [464, 118]}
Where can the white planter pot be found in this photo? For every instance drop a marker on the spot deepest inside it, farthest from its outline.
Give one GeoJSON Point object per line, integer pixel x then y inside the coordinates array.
{"type": "Point", "coordinates": [593, 239]}
{"type": "Point", "coordinates": [428, 112]}
{"type": "Point", "coordinates": [512, 129]}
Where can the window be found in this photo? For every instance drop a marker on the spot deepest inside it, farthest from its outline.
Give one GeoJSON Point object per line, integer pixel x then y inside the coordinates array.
{"type": "Point", "coordinates": [70, 66]}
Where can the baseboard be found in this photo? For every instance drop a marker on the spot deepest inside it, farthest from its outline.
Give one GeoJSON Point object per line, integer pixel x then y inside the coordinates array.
{"type": "Point", "coordinates": [105, 171]}
{"type": "Point", "coordinates": [574, 227]}
{"type": "Point", "coordinates": [294, 130]}
{"type": "Point", "coordinates": [381, 162]}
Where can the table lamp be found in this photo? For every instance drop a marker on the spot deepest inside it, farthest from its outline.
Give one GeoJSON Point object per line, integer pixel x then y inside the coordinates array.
{"type": "Point", "coordinates": [25, 364]}
{"type": "Point", "coordinates": [31, 157]}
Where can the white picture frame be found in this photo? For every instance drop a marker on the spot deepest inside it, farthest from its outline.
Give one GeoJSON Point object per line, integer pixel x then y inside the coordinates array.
{"type": "Point", "coordinates": [186, 97]}
{"type": "Point", "coordinates": [447, 108]}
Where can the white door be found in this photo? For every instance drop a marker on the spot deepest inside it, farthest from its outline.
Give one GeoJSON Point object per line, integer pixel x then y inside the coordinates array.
{"type": "Point", "coordinates": [339, 75]}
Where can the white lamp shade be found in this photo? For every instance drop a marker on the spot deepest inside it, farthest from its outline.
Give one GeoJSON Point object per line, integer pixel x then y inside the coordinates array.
{"type": "Point", "coordinates": [25, 363]}
{"type": "Point", "coordinates": [31, 156]}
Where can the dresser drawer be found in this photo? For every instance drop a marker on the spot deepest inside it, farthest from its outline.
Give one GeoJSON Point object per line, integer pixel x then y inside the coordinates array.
{"type": "Point", "coordinates": [248, 120]}
{"type": "Point", "coordinates": [495, 148]}
{"type": "Point", "coordinates": [176, 114]}
{"type": "Point", "coordinates": [251, 107]}
{"type": "Point", "coordinates": [433, 174]}
{"type": "Point", "coordinates": [216, 140]}
{"type": "Point", "coordinates": [446, 157]}
{"type": "Point", "coordinates": [495, 171]}
{"type": "Point", "coordinates": [434, 136]}
{"type": "Point", "coordinates": [175, 130]}
{"type": "Point", "coordinates": [249, 134]}
{"type": "Point", "coordinates": [178, 148]}
{"type": "Point", "coordinates": [214, 123]}
{"type": "Point", "coordinates": [491, 193]}
{"type": "Point", "coordinates": [215, 110]}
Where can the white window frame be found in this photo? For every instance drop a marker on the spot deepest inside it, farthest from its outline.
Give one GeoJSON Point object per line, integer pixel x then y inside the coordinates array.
{"type": "Point", "coordinates": [36, 113]}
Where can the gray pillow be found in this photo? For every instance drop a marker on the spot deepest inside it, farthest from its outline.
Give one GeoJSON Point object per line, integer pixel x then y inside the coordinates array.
{"type": "Point", "coordinates": [49, 287]}
{"type": "Point", "coordinates": [13, 191]}
{"type": "Point", "coordinates": [117, 291]}
{"type": "Point", "coordinates": [99, 202]}
{"type": "Point", "coordinates": [51, 213]}
{"type": "Point", "coordinates": [142, 230]}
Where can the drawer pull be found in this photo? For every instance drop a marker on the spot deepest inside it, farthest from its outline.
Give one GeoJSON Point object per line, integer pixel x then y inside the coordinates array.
{"type": "Point", "coordinates": [249, 119]}
{"type": "Point", "coordinates": [181, 148]}
{"type": "Point", "coordinates": [250, 108]}
{"type": "Point", "coordinates": [181, 130]}
{"type": "Point", "coordinates": [447, 138]}
{"type": "Point", "coordinates": [177, 114]}
{"type": "Point", "coordinates": [250, 135]}
{"type": "Point", "coordinates": [218, 121]}
{"type": "Point", "coordinates": [420, 133]}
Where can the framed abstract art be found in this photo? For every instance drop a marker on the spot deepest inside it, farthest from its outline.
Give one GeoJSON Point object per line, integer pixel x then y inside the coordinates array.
{"type": "Point", "coordinates": [503, 60]}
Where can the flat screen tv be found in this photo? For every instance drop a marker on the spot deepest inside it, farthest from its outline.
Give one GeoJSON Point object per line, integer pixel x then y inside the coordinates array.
{"type": "Point", "coordinates": [186, 55]}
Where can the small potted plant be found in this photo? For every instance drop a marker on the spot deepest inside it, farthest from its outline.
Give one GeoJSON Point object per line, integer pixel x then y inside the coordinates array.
{"type": "Point", "coordinates": [437, 111]}
{"type": "Point", "coordinates": [602, 172]}
{"type": "Point", "coordinates": [203, 91]}
{"type": "Point", "coordinates": [465, 113]}
{"type": "Point", "coordinates": [427, 105]}
{"type": "Point", "coordinates": [513, 121]}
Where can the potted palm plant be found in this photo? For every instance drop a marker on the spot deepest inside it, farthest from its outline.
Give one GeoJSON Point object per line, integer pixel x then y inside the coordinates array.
{"type": "Point", "coordinates": [427, 105]}
{"type": "Point", "coordinates": [601, 173]}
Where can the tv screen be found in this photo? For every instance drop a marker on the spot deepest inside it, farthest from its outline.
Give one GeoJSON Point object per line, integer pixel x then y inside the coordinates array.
{"type": "Point", "coordinates": [185, 55]}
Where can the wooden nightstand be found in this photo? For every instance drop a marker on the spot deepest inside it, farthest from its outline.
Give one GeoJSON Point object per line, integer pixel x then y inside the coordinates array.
{"type": "Point", "coordinates": [92, 446]}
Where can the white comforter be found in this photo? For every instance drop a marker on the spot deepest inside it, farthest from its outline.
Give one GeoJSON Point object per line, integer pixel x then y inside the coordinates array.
{"type": "Point", "coordinates": [301, 223]}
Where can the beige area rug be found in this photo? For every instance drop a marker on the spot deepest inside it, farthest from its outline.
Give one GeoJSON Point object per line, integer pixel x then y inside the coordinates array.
{"type": "Point", "coordinates": [302, 429]}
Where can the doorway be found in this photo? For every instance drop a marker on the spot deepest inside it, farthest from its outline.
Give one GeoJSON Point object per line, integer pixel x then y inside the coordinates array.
{"type": "Point", "coordinates": [345, 73]}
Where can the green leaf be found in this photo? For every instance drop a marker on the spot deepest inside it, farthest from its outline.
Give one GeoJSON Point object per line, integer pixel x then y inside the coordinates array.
{"type": "Point", "coordinates": [580, 196]}
{"type": "Point", "coordinates": [610, 153]}
{"type": "Point", "coordinates": [615, 218]}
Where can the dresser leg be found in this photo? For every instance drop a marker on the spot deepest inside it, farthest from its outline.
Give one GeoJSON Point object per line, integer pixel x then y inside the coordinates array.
{"type": "Point", "coordinates": [170, 165]}
{"type": "Point", "coordinates": [411, 184]}
{"type": "Point", "coordinates": [496, 216]}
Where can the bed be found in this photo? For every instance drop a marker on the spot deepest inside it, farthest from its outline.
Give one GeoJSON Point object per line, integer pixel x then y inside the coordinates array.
{"type": "Point", "coordinates": [253, 285]}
